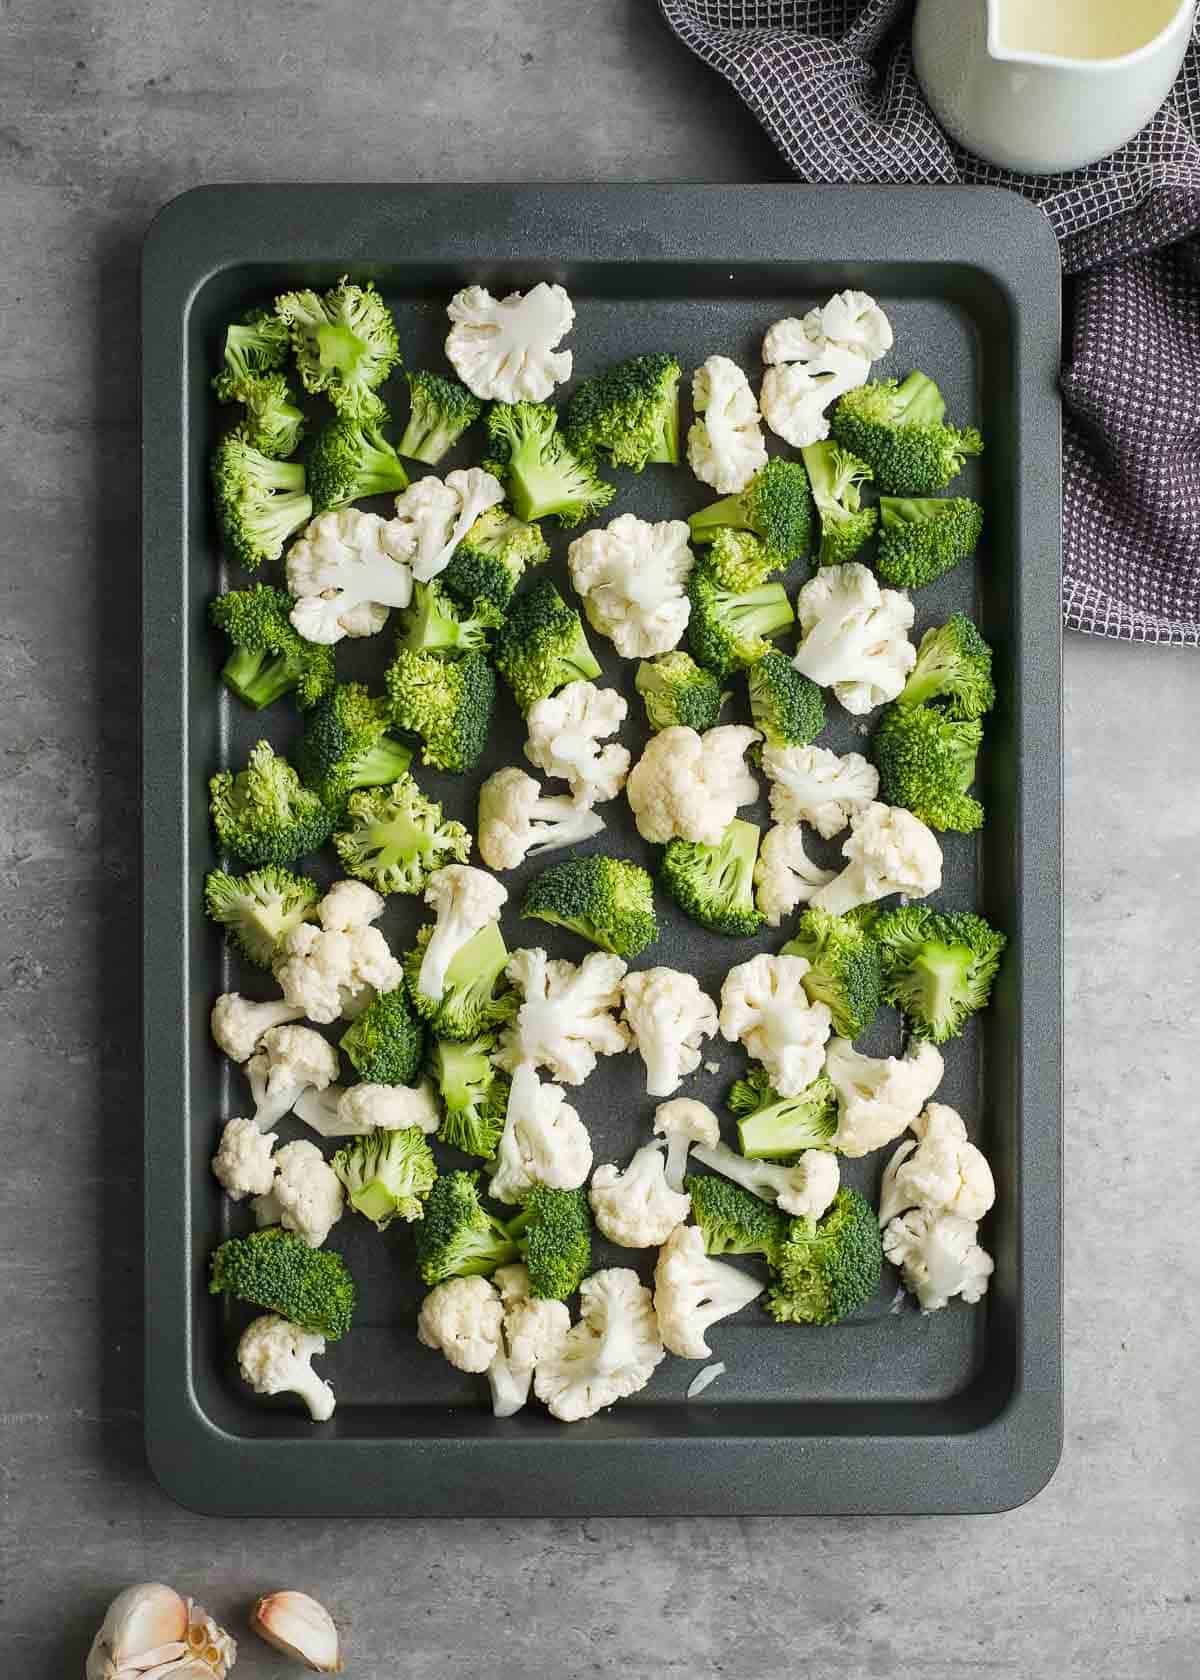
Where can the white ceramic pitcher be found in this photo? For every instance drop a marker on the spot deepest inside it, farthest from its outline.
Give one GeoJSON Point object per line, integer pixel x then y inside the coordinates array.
{"type": "Point", "coordinates": [1048, 85]}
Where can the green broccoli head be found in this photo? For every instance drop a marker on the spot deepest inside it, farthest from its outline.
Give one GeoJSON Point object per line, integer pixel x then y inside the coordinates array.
{"type": "Point", "coordinates": [629, 413]}
{"type": "Point", "coordinates": [273, 424]}
{"type": "Point", "coordinates": [938, 967]}
{"type": "Point", "coordinates": [351, 459]}
{"type": "Point", "coordinates": [434, 624]}
{"type": "Point", "coordinates": [447, 702]}
{"type": "Point", "coordinates": [395, 838]}
{"type": "Point", "coordinates": [255, 345]}
{"type": "Point", "coordinates": [543, 474]}
{"type": "Point", "coordinates": [730, 629]}
{"type": "Point", "coordinates": [270, 658]}
{"type": "Point", "coordinates": [775, 505]}
{"type": "Point", "coordinates": [345, 343]}
{"type": "Point", "coordinates": [608, 901]}
{"type": "Point", "coordinates": [440, 410]}
{"type": "Point", "coordinates": [386, 1042]}
{"type": "Point", "coordinates": [260, 909]}
{"type": "Point", "coordinates": [476, 996]}
{"type": "Point", "coordinates": [264, 814]}
{"type": "Point", "coordinates": [542, 646]}
{"type": "Point", "coordinates": [899, 430]}
{"type": "Point", "coordinates": [923, 537]}
{"type": "Point", "coordinates": [829, 1267]}
{"type": "Point", "coordinates": [740, 561]}
{"type": "Point", "coordinates": [954, 667]}
{"type": "Point", "coordinates": [457, 1236]}
{"type": "Point", "coordinates": [775, 1128]}
{"type": "Point", "coordinates": [260, 501]}
{"type": "Point", "coordinates": [276, 1270]}
{"type": "Point", "coordinates": [926, 762]}
{"type": "Point", "coordinates": [733, 1220]}
{"type": "Point", "coordinates": [346, 745]}
{"type": "Point", "coordinates": [714, 885]}
{"type": "Point", "coordinates": [845, 968]}
{"type": "Point", "coordinates": [676, 691]}
{"type": "Point", "coordinates": [474, 1094]}
{"type": "Point", "coordinates": [492, 558]}
{"type": "Point", "coordinates": [836, 478]}
{"type": "Point", "coordinates": [554, 1233]}
{"type": "Point", "coordinates": [387, 1174]}
{"type": "Point", "coordinates": [787, 707]}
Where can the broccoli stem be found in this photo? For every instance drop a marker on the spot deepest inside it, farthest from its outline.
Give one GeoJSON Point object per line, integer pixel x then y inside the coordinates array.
{"type": "Point", "coordinates": [425, 442]}
{"type": "Point", "coordinates": [727, 515]}
{"type": "Point", "coordinates": [666, 439]}
{"type": "Point", "coordinates": [258, 678]}
{"type": "Point", "coordinates": [381, 764]}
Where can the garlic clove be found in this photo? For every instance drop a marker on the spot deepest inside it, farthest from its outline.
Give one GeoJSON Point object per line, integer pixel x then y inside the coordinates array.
{"type": "Point", "coordinates": [152, 1663]}
{"type": "Point", "coordinates": [139, 1626]}
{"type": "Point", "coordinates": [299, 1627]}
{"type": "Point", "coordinates": [208, 1645]}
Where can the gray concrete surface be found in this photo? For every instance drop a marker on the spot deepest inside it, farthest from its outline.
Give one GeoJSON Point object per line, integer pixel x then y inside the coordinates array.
{"type": "Point", "coordinates": [108, 107]}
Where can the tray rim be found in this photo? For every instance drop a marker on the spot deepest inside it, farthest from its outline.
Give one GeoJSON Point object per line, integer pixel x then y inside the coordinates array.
{"type": "Point", "coordinates": [990, 1469]}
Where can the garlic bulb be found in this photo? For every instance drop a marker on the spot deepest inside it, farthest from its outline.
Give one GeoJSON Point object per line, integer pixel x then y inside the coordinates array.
{"type": "Point", "coordinates": [207, 1645]}
{"type": "Point", "coordinates": [301, 1628]}
{"type": "Point", "coordinates": [144, 1630]}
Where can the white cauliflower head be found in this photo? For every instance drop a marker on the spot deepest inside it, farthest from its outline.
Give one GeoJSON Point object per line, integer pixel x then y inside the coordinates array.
{"type": "Point", "coordinates": [854, 636]}
{"type": "Point", "coordinates": [305, 1197]}
{"type": "Point", "coordinates": [516, 820]}
{"type": "Point", "coordinates": [692, 1292]}
{"type": "Point", "coordinates": [433, 517]}
{"type": "Point", "coordinates": [793, 340]}
{"type": "Point", "coordinates": [532, 1330]}
{"type": "Point", "coordinates": [784, 874]}
{"type": "Point", "coordinates": [238, 1024]}
{"type": "Point", "coordinates": [855, 320]}
{"type": "Point", "coordinates": [632, 577]}
{"type": "Point", "coordinates": [691, 786]}
{"type": "Point", "coordinates": [889, 851]}
{"type": "Point", "coordinates": [764, 1004]}
{"type": "Point", "coordinates": [565, 731]}
{"type": "Point", "coordinates": [725, 445]}
{"type": "Point", "coordinates": [610, 1354]}
{"type": "Point", "coordinates": [795, 398]}
{"type": "Point", "coordinates": [566, 1019]}
{"type": "Point", "coordinates": [329, 973]}
{"type": "Point", "coordinates": [462, 1318]}
{"type": "Point", "coordinates": [814, 785]}
{"type": "Point", "coordinates": [669, 1017]}
{"type": "Point", "coordinates": [275, 1357]}
{"type": "Point", "coordinates": [879, 1097]}
{"type": "Point", "coordinates": [940, 1169]}
{"type": "Point", "coordinates": [637, 1208]}
{"type": "Point", "coordinates": [243, 1165]}
{"type": "Point", "coordinates": [346, 570]}
{"type": "Point", "coordinates": [349, 906]}
{"type": "Point", "coordinates": [938, 1256]}
{"type": "Point", "coordinates": [289, 1061]}
{"type": "Point", "coordinates": [683, 1122]}
{"type": "Point", "coordinates": [543, 1142]}
{"type": "Point", "coordinates": [504, 349]}
{"type": "Point", "coordinates": [386, 1108]}
{"type": "Point", "coordinates": [465, 901]}
{"type": "Point", "coordinates": [805, 1188]}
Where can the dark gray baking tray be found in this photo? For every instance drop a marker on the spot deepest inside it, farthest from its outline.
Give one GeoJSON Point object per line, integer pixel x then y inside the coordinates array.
{"type": "Point", "coordinates": [892, 1412]}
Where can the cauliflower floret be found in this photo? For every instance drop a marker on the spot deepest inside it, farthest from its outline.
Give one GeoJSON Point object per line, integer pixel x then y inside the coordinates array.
{"type": "Point", "coordinates": [784, 874]}
{"type": "Point", "coordinates": [349, 906]}
{"type": "Point", "coordinates": [611, 1353]}
{"type": "Point", "coordinates": [792, 340]}
{"type": "Point", "coordinates": [691, 786]}
{"type": "Point", "coordinates": [794, 398]}
{"type": "Point", "coordinates": [637, 1208]}
{"type": "Point", "coordinates": [463, 1319]}
{"type": "Point", "coordinates": [879, 1097]}
{"type": "Point", "coordinates": [889, 851]}
{"type": "Point", "coordinates": [433, 517]}
{"type": "Point", "coordinates": [855, 320]}
{"type": "Point", "coordinates": [368, 1108]}
{"type": "Point", "coordinates": [566, 1019]}
{"type": "Point", "coordinates": [239, 1025]}
{"type": "Point", "coordinates": [814, 785]}
{"type": "Point", "coordinates": [532, 1331]}
{"type": "Point", "coordinates": [329, 973]}
{"type": "Point", "coordinates": [243, 1164]}
{"type": "Point", "coordinates": [305, 1197]}
{"type": "Point", "coordinates": [346, 570]}
{"type": "Point", "coordinates": [806, 1188]}
{"type": "Point", "coordinates": [632, 578]}
{"type": "Point", "coordinates": [854, 636]}
{"type": "Point", "coordinates": [543, 1142]}
{"type": "Point", "coordinates": [725, 445]}
{"type": "Point", "coordinates": [691, 1292]}
{"type": "Point", "coordinates": [764, 1004]}
{"type": "Point", "coordinates": [669, 1017]}
{"type": "Point", "coordinates": [938, 1257]}
{"type": "Point", "coordinates": [516, 820]}
{"type": "Point", "coordinates": [289, 1061]}
{"type": "Point", "coordinates": [275, 1357]}
{"type": "Point", "coordinates": [465, 901]}
{"type": "Point", "coordinates": [565, 731]}
{"type": "Point", "coordinates": [503, 349]}
{"type": "Point", "coordinates": [683, 1122]}
{"type": "Point", "coordinates": [947, 1173]}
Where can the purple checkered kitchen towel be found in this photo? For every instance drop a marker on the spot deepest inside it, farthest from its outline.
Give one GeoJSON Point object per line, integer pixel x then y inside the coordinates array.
{"type": "Point", "coordinates": [832, 83]}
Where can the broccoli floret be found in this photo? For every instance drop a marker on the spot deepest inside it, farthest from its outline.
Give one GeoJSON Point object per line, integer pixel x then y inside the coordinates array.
{"type": "Point", "coordinates": [492, 558]}
{"type": "Point", "coordinates": [260, 909]}
{"type": "Point", "coordinates": [926, 762]}
{"type": "Point", "coordinates": [474, 1095]}
{"type": "Point", "coordinates": [629, 413]}
{"type": "Point", "coordinates": [270, 658]}
{"type": "Point", "coordinates": [440, 411]}
{"type": "Point", "coordinates": [544, 476]}
{"type": "Point", "coordinates": [899, 430]}
{"type": "Point", "coordinates": [786, 706]}
{"type": "Point", "coordinates": [260, 502]}
{"type": "Point", "coordinates": [265, 814]}
{"type": "Point", "coordinates": [395, 838]}
{"type": "Point", "coordinates": [733, 1220]}
{"type": "Point", "coordinates": [938, 967]}
{"type": "Point", "coordinates": [433, 624]}
{"type": "Point", "coordinates": [923, 537]}
{"type": "Point", "coordinates": [458, 1237]}
{"type": "Point", "coordinates": [476, 995]}
{"type": "Point", "coordinates": [273, 423]}
{"type": "Point", "coordinates": [275, 1269]}
{"type": "Point", "coordinates": [387, 1174]}
{"type": "Point", "coordinates": [739, 561]}
{"type": "Point", "coordinates": [385, 1043]}
{"type": "Point", "coordinates": [345, 344]}
{"type": "Point", "coordinates": [608, 901]}
{"type": "Point", "coordinates": [954, 667]}
{"type": "Point", "coordinates": [729, 629]}
{"type": "Point", "coordinates": [774, 1128]}
{"type": "Point", "coordinates": [714, 885]}
{"type": "Point", "coordinates": [675, 690]}
{"type": "Point", "coordinates": [447, 702]}
{"type": "Point", "coordinates": [775, 505]}
{"type": "Point", "coordinates": [845, 967]}
{"type": "Point", "coordinates": [554, 1234]}
{"type": "Point", "coordinates": [836, 476]}
{"type": "Point", "coordinates": [351, 459]}
{"type": "Point", "coordinates": [541, 645]}
{"type": "Point", "coordinates": [346, 745]}
{"type": "Point", "coordinates": [829, 1267]}
{"type": "Point", "coordinates": [256, 344]}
